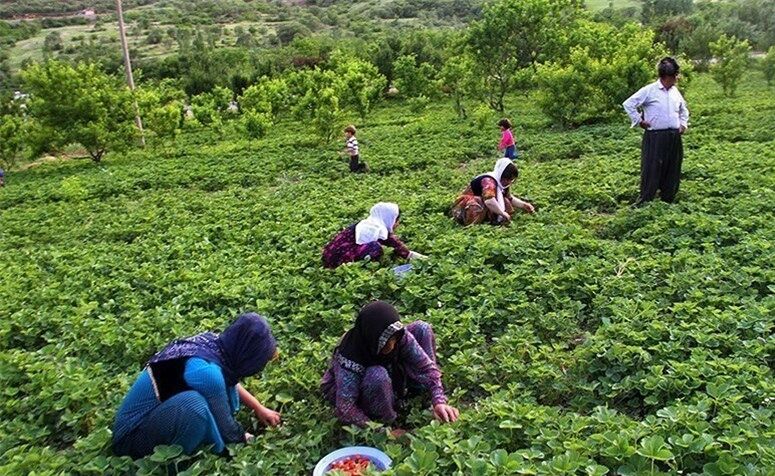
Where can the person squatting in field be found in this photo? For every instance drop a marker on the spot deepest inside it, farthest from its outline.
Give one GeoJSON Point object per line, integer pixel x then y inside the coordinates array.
{"type": "Point", "coordinates": [188, 392]}
{"type": "Point", "coordinates": [664, 118]}
{"type": "Point", "coordinates": [365, 239]}
{"type": "Point", "coordinates": [379, 364]}
{"type": "Point", "coordinates": [487, 199]}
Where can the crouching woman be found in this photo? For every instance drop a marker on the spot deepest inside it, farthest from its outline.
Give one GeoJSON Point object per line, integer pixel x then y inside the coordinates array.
{"type": "Point", "coordinates": [189, 391]}
{"type": "Point", "coordinates": [379, 363]}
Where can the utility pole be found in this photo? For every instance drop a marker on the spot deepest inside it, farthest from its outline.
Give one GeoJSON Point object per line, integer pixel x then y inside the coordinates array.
{"type": "Point", "coordinates": [128, 67]}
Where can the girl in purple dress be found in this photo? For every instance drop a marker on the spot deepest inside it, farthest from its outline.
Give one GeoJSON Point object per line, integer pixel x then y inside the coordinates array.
{"type": "Point", "coordinates": [365, 239]}
{"type": "Point", "coordinates": [380, 362]}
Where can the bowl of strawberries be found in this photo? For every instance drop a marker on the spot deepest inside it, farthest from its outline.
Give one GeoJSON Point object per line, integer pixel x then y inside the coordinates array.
{"type": "Point", "coordinates": [353, 461]}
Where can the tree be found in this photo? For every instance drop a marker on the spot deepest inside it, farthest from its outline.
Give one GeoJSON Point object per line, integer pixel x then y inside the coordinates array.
{"type": "Point", "coordinates": [52, 42]}
{"type": "Point", "coordinates": [732, 56]}
{"type": "Point", "coordinates": [162, 109]}
{"type": "Point", "coordinates": [360, 85]}
{"type": "Point", "coordinates": [79, 104]}
{"type": "Point", "coordinates": [413, 80]}
{"type": "Point", "coordinates": [12, 136]}
{"type": "Point", "coordinates": [514, 35]}
{"type": "Point", "coordinates": [768, 65]}
{"type": "Point", "coordinates": [603, 69]}
{"type": "Point", "coordinates": [266, 96]}
{"type": "Point", "coordinates": [317, 104]}
{"type": "Point", "coordinates": [653, 10]}
{"type": "Point", "coordinates": [456, 82]}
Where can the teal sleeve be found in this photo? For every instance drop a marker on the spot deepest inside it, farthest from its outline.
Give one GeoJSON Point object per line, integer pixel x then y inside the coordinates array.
{"type": "Point", "coordinates": [206, 378]}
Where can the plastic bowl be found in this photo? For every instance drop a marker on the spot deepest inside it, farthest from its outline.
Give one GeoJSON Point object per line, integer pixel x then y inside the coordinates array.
{"type": "Point", "coordinates": [379, 459]}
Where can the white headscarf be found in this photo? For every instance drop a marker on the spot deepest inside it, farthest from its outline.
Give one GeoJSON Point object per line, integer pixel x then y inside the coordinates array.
{"type": "Point", "coordinates": [497, 173]}
{"type": "Point", "coordinates": [378, 225]}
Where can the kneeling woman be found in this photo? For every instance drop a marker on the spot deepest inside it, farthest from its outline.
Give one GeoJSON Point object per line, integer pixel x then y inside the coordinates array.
{"type": "Point", "coordinates": [487, 198]}
{"type": "Point", "coordinates": [379, 363]}
{"type": "Point", "coordinates": [365, 239]}
{"type": "Point", "coordinates": [188, 392]}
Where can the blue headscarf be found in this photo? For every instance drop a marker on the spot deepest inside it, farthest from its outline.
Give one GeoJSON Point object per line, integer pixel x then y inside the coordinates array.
{"type": "Point", "coordinates": [242, 350]}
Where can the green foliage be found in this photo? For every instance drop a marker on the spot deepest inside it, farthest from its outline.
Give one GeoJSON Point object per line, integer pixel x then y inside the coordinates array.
{"type": "Point", "coordinates": [209, 108]}
{"type": "Point", "coordinates": [317, 103]}
{"type": "Point", "coordinates": [732, 58]}
{"type": "Point", "coordinates": [457, 82]}
{"type": "Point", "coordinates": [12, 139]}
{"type": "Point", "coordinates": [267, 95]}
{"type": "Point", "coordinates": [514, 35]}
{"type": "Point", "coordinates": [256, 124]}
{"type": "Point", "coordinates": [768, 65]}
{"type": "Point", "coordinates": [361, 84]}
{"type": "Point", "coordinates": [588, 338]}
{"type": "Point", "coordinates": [413, 80]}
{"type": "Point", "coordinates": [161, 108]}
{"type": "Point", "coordinates": [598, 76]}
{"type": "Point", "coordinates": [79, 104]}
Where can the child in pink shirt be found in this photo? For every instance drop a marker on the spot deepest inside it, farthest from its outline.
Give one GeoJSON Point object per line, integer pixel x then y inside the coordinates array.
{"type": "Point", "coordinates": [507, 145]}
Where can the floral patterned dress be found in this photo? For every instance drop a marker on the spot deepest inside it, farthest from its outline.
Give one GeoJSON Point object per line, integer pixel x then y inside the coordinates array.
{"type": "Point", "coordinates": [343, 248]}
{"type": "Point", "coordinates": [362, 394]}
{"type": "Point", "coordinates": [469, 208]}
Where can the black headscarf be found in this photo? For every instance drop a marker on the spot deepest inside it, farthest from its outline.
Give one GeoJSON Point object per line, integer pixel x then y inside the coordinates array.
{"type": "Point", "coordinates": [376, 323]}
{"type": "Point", "coordinates": [241, 350]}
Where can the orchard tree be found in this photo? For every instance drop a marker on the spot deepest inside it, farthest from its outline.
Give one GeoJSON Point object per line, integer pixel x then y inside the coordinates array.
{"type": "Point", "coordinates": [267, 96]}
{"type": "Point", "coordinates": [162, 110]}
{"type": "Point", "coordinates": [514, 35]}
{"type": "Point", "coordinates": [12, 136]}
{"type": "Point", "coordinates": [79, 104]}
{"type": "Point", "coordinates": [318, 103]}
{"type": "Point", "coordinates": [360, 85]}
{"type": "Point", "coordinates": [731, 59]}
{"type": "Point", "coordinates": [413, 80]}
{"type": "Point", "coordinates": [456, 82]}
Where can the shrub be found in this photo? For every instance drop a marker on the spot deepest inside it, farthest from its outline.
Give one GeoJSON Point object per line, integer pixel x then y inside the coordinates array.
{"type": "Point", "coordinates": [731, 60]}
{"type": "Point", "coordinates": [79, 104]}
{"type": "Point", "coordinates": [255, 124]}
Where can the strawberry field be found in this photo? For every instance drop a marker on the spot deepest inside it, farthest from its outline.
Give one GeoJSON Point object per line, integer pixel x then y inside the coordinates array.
{"type": "Point", "coordinates": [591, 338]}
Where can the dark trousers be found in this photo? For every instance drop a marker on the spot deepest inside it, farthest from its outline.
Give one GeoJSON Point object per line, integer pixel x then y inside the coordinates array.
{"type": "Point", "coordinates": [661, 157]}
{"type": "Point", "coordinates": [356, 165]}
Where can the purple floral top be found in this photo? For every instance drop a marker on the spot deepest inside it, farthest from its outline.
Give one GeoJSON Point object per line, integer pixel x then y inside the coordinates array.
{"type": "Point", "coordinates": [343, 248]}
{"type": "Point", "coordinates": [342, 381]}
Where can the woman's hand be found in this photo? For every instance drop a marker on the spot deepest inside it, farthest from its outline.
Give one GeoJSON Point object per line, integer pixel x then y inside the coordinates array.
{"type": "Point", "coordinates": [268, 417]}
{"type": "Point", "coordinates": [445, 413]}
{"type": "Point", "coordinates": [416, 255]}
{"type": "Point", "coordinates": [397, 432]}
{"type": "Point", "coordinates": [528, 208]}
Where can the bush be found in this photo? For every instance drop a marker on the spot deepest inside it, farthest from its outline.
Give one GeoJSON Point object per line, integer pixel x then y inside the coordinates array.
{"type": "Point", "coordinates": [360, 83]}
{"type": "Point", "coordinates": [79, 104]}
{"type": "Point", "coordinates": [413, 80]}
{"type": "Point", "coordinates": [732, 58]}
{"type": "Point", "coordinates": [594, 83]}
{"type": "Point", "coordinates": [268, 95]}
{"type": "Point", "coordinates": [255, 124]}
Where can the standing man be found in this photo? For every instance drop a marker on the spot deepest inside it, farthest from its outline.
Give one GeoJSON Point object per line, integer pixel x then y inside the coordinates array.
{"type": "Point", "coordinates": [664, 118]}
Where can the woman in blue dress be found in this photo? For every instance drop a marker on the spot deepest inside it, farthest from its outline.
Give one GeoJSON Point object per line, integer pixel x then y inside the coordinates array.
{"type": "Point", "coordinates": [188, 392]}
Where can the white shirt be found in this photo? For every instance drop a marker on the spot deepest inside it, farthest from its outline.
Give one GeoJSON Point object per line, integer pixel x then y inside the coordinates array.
{"type": "Point", "coordinates": [352, 146]}
{"type": "Point", "coordinates": [662, 108]}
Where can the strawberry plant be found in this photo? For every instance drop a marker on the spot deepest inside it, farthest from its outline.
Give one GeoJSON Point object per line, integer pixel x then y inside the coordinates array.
{"type": "Point", "coordinates": [590, 338]}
